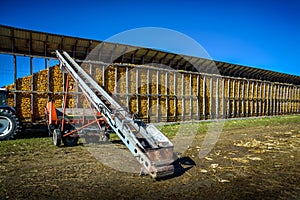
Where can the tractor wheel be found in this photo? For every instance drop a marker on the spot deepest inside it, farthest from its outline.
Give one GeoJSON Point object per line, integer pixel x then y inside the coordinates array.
{"type": "Point", "coordinates": [56, 137]}
{"type": "Point", "coordinates": [9, 124]}
{"type": "Point", "coordinates": [70, 140]}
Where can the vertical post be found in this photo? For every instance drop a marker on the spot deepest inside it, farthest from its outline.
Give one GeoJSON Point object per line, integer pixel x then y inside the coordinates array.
{"type": "Point", "coordinates": [175, 96]}
{"type": "Point", "coordinates": [297, 95]}
{"type": "Point", "coordinates": [243, 99]}
{"type": "Point", "coordinates": [294, 100]}
{"type": "Point", "coordinates": [298, 99]}
{"type": "Point", "coordinates": [248, 102]}
{"type": "Point", "coordinates": [291, 100]}
{"type": "Point", "coordinates": [275, 100]}
{"type": "Point", "coordinates": [45, 66]}
{"type": "Point", "coordinates": [191, 99]}
{"type": "Point", "coordinates": [283, 100]}
{"type": "Point", "coordinates": [148, 94]}
{"type": "Point", "coordinates": [127, 86]}
{"type": "Point", "coordinates": [198, 97]}
{"type": "Point", "coordinates": [239, 99]}
{"type": "Point", "coordinates": [15, 80]}
{"type": "Point", "coordinates": [223, 99]}
{"type": "Point", "coordinates": [137, 89]}
{"type": "Point", "coordinates": [204, 97]}
{"type": "Point", "coordinates": [103, 75]}
{"type": "Point", "coordinates": [158, 99]}
{"type": "Point", "coordinates": [252, 99]}
{"type": "Point", "coordinates": [116, 82]}
{"type": "Point", "coordinates": [183, 97]}
{"type": "Point", "coordinates": [217, 98]}
{"type": "Point", "coordinates": [211, 100]}
{"type": "Point", "coordinates": [48, 79]}
{"type": "Point", "coordinates": [32, 88]}
{"type": "Point", "coordinates": [256, 101]}
{"type": "Point", "coordinates": [287, 99]}
{"type": "Point", "coordinates": [271, 105]}
{"type": "Point", "coordinates": [260, 100]}
{"type": "Point", "coordinates": [264, 99]}
{"type": "Point", "coordinates": [167, 94]}
{"type": "Point", "coordinates": [280, 99]}
{"type": "Point", "coordinates": [228, 99]}
{"type": "Point", "coordinates": [234, 99]}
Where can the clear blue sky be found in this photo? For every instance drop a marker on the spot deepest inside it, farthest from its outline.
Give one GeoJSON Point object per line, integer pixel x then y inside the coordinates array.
{"type": "Point", "coordinates": [263, 34]}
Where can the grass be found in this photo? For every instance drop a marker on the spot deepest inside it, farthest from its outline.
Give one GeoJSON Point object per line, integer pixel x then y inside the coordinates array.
{"type": "Point", "coordinates": [202, 127]}
{"type": "Point", "coordinates": [169, 130]}
{"type": "Point", "coordinates": [265, 121]}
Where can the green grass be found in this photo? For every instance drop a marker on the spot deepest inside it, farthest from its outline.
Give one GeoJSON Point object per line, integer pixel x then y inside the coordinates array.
{"type": "Point", "coordinates": [266, 121]}
{"type": "Point", "coordinates": [169, 130]}
{"type": "Point", "coordinates": [202, 127]}
{"type": "Point", "coordinates": [27, 145]}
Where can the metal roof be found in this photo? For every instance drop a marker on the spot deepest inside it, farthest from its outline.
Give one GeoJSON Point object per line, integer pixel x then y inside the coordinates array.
{"type": "Point", "coordinates": [33, 43]}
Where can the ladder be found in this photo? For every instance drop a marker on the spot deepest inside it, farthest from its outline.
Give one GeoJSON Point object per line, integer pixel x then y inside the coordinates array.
{"type": "Point", "coordinates": [152, 149]}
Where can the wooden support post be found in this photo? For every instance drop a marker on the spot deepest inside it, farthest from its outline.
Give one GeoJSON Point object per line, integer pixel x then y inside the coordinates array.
{"type": "Point", "coordinates": [158, 99]}
{"type": "Point", "coordinates": [175, 96]}
{"type": "Point", "coordinates": [204, 97]}
{"type": "Point", "coordinates": [264, 106]}
{"type": "Point", "coordinates": [223, 99]}
{"type": "Point", "coordinates": [48, 81]}
{"type": "Point", "coordinates": [294, 100]}
{"type": "Point", "coordinates": [217, 98]}
{"type": "Point", "coordinates": [15, 80]}
{"type": "Point", "coordinates": [116, 82]}
{"type": "Point", "coordinates": [234, 99]}
{"type": "Point", "coordinates": [280, 99]}
{"type": "Point", "coordinates": [137, 82]}
{"type": "Point", "coordinates": [272, 99]}
{"type": "Point", "coordinates": [198, 97]}
{"type": "Point", "coordinates": [287, 99]}
{"type": "Point", "coordinates": [298, 99]}
{"type": "Point", "coordinates": [256, 100]}
{"type": "Point", "coordinates": [32, 89]}
{"type": "Point", "coordinates": [276, 99]}
{"type": "Point", "coordinates": [211, 100]}
{"type": "Point", "coordinates": [228, 99]}
{"type": "Point", "coordinates": [167, 95]}
{"type": "Point", "coordinates": [183, 97]}
{"type": "Point", "coordinates": [243, 99]}
{"type": "Point", "coordinates": [148, 93]}
{"type": "Point", "coordinates": [238, 99]}
{"type": "Point", "coordinates": [191, 98]}
{"type": "Point", "coordinates": [127, 87]}
{"type": "Point", "coordinates": [103, 75]}
{"type": "Point", "coordinates": [248, 102]}
{"type": "Point", "coordinates": [252, 100]}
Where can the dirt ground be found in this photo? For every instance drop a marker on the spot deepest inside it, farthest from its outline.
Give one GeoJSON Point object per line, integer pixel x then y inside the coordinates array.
{"type": "Point", "coordinates": [250, 161]}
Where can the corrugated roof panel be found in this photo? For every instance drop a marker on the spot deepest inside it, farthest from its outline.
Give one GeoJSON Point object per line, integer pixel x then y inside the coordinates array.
{"type": "Point", "coordinates": [22, 34]}
{"type": "Point", "coordinates": [5, 31]}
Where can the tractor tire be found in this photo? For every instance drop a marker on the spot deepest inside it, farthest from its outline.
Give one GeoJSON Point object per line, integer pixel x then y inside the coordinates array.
{"type": "Point", "coordinates": [70, 141]}
{"type": "Point", "coordinates": [9, 124]}
{"type": "Point", "coordinates": [56, 137]}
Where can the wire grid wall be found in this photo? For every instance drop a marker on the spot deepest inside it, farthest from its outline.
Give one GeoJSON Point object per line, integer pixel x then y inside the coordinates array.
{"type": "Point", "coordinates": [158, 95]}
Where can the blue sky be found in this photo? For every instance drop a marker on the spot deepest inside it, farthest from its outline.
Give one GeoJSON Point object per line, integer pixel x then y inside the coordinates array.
{"type": "Point", "coordinates": [263, 34]}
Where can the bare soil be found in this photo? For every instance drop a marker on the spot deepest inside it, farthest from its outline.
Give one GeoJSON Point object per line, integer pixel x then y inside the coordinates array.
{"type": "Point", "coordinates": [248, 162]}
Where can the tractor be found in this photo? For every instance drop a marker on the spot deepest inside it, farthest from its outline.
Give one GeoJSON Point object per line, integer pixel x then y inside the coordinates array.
{"type": "Point", "coordinates": [9, 123]}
